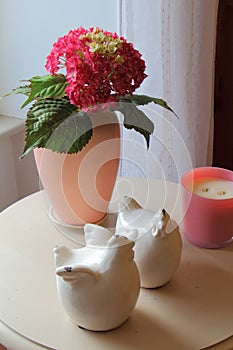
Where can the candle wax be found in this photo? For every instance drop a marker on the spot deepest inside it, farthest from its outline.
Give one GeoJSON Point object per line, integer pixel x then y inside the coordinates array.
{"type": "Point", "coordinates": [213, 188]}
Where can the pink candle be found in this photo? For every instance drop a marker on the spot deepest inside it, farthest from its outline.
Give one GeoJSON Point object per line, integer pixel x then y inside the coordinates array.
{"type": "Point", "coordinates": [207, 196]}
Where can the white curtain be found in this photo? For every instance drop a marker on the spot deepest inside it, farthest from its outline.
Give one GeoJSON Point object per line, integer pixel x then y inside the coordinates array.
{"type": "Point", "coordinates": [177, 40]}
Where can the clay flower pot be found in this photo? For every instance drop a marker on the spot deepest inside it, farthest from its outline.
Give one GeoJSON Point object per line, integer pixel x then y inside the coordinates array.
{"type": "Point", "coordinates": [79, 186]}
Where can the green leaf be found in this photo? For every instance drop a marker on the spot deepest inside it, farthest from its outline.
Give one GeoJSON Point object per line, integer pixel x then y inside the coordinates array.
{"type": "Point", "coordinates": [47, 86]}
{"type": "Point", "coordinates": [144, 100]}
{"type": "Point", "coordinates": [25, 90]}
{"type": "Point", "coordinates": [136, 119]}
{"type": "Point", "coordinates": [72, 134]}
{"type": "Point", "coordinates": [57, 125]}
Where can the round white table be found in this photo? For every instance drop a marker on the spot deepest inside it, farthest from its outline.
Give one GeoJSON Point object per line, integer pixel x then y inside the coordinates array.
{"type": "Point", "coordinates": [193, 311]}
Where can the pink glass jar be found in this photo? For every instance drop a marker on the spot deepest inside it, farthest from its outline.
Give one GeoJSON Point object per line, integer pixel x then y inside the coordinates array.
{"type": "Point", "coordinates": [207, 222]}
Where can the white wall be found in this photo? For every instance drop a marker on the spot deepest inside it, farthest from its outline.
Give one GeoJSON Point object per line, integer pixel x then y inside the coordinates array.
{"type": "Point", "coordinates": [28, 28]}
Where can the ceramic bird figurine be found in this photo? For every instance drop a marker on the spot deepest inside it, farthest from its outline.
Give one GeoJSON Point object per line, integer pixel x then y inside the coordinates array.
{"type": "Point", "coordinates": [98, 284]}
{"type": "Point", "coordinates": [158, 244]}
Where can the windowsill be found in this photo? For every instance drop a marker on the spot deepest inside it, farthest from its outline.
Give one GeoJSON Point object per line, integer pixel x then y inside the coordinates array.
{"type": "Point", "coordinates": [10, 125]}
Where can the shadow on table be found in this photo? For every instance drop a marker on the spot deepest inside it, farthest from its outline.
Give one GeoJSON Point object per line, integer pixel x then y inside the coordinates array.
{"type": "Point", "coordinates": [139, 332]}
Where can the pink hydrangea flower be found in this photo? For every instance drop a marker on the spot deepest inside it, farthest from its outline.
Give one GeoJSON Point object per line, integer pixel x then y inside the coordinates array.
{"type": "Point", "coordinates": [99, 66]}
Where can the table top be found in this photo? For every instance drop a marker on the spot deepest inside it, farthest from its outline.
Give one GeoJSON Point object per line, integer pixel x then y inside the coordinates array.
{"type": "Point", "coordinates": [193, 311]}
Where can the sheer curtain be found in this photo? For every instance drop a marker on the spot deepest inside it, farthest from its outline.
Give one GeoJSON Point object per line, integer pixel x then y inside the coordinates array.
{"type": "Point", "coordinates": [177, 40]}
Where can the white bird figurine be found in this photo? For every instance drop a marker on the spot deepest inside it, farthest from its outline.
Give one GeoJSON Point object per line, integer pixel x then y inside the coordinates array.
{"type": "Point", "coordinates": [98, 284]}
{"type": "Point", "coordinates": [158, 244]}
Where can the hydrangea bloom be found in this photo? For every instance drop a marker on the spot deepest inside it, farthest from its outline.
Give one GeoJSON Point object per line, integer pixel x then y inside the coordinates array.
{"type": "Point", "coordinates": [100, 71]}
{"type": "Point", "coordinates": [99, 66]}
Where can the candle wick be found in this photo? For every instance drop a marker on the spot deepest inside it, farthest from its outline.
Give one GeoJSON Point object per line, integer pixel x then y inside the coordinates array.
{"type": "Point", "coordinates": [221, 193]}
{"type": "Point", "coordinates": [205, 189]}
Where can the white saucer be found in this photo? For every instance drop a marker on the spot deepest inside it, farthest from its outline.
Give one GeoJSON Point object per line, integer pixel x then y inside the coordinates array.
{"type": "Point", "coordinates": [75, 232]}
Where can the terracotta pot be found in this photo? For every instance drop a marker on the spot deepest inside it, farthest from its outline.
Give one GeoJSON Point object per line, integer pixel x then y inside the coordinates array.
{"type": "Point", "coordinates": [79, 186]}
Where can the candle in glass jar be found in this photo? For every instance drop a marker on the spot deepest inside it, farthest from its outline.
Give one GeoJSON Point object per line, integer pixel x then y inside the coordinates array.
{"type": "Point", "coordinates": [207, 197]}
{"type": "Point", "coordinates": [213, 188]}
